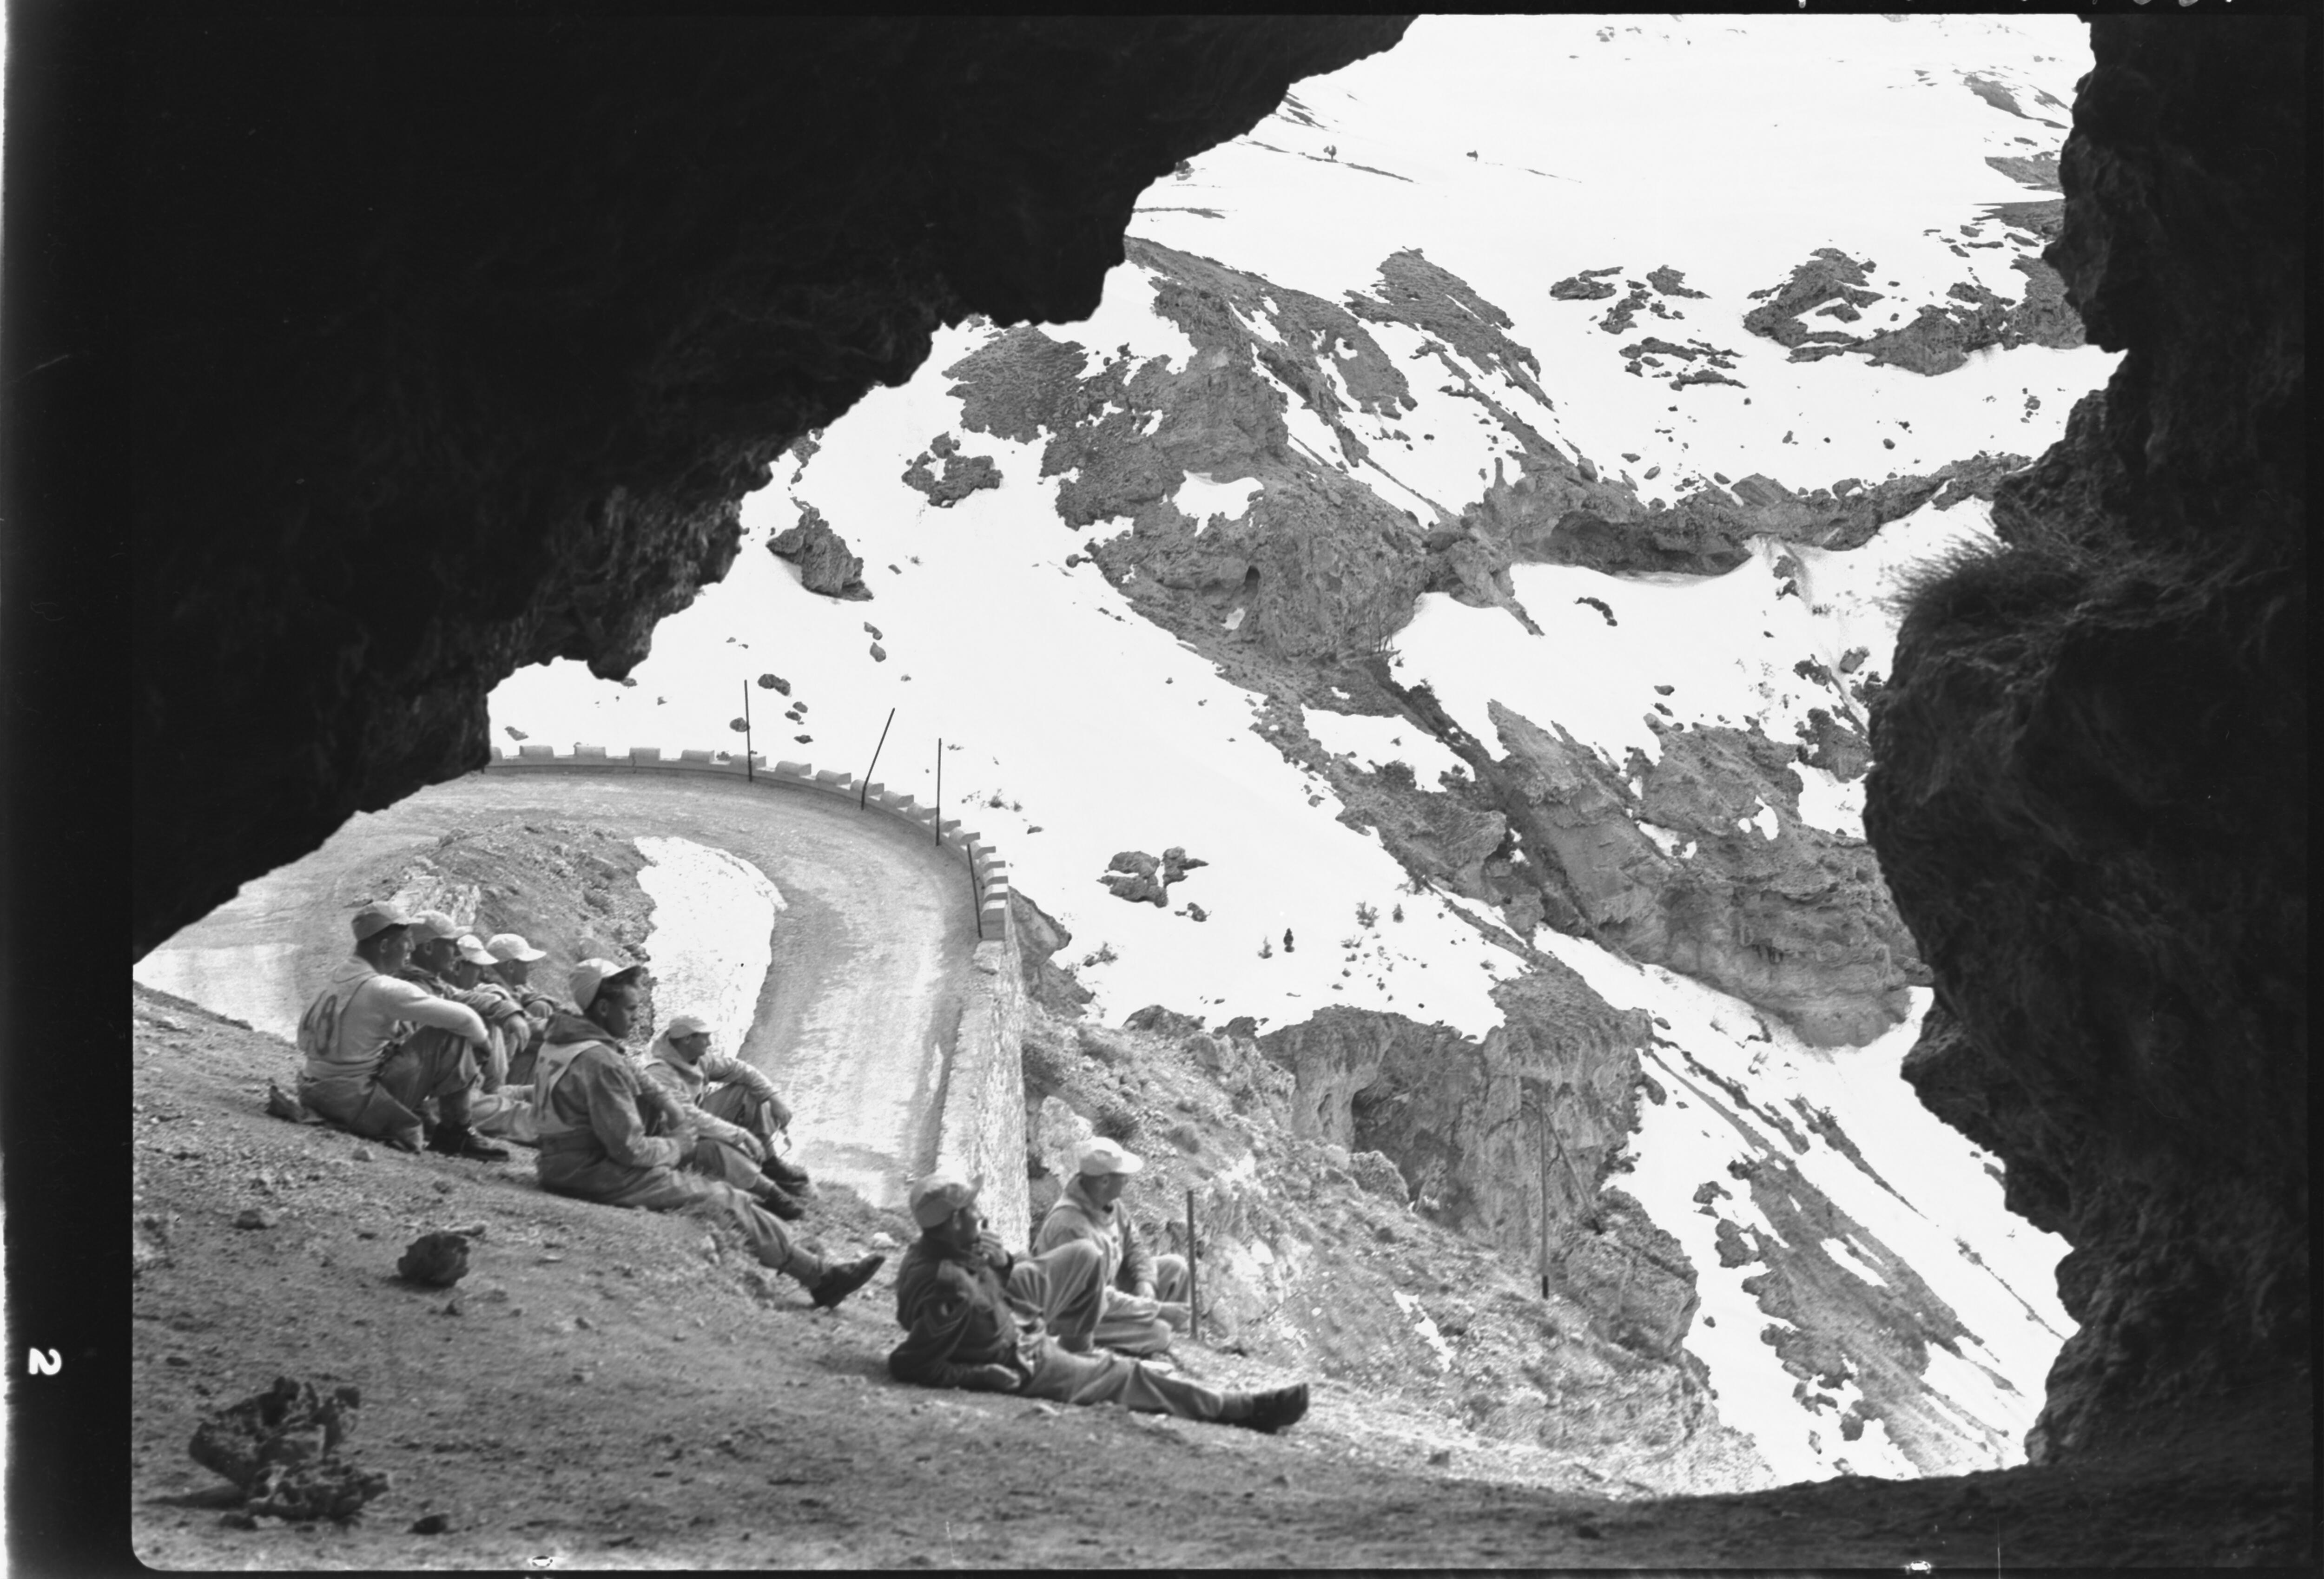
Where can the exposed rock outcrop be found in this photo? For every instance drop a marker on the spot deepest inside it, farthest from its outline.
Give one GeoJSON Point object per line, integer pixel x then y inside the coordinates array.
{"type": "Point", "coordinates": [1941, 335]}
{"type": "Point", "coordinates": [2089, 789]}
{"type": "Point", "coordinates": [438, 395]}
{"type": "Point", "coordinates": [963, 474]}
{"type": "Point", "coordinates": [824, 564]}
{"type": "Point", "coordinates": [1507, 1139]}
{"type": "Point", "coordinates": [1790, 918]}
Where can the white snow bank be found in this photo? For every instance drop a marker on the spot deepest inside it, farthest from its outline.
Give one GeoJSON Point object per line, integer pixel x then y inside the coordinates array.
{"type": "Point", "coordinates": [713, 919]}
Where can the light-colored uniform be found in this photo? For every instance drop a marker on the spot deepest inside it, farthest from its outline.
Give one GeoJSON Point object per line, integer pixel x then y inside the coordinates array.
{"type": "Point", "coordinates": [594, 1112]}
{"type": "Point", "coordinates": [1145, 1294]}
{"type": "Point", "coordinates": [494, 1109]}
{"type": "Point", "coordinates": [962, 1309]}
{"type": "Point", "coordinates": [729, 1101]}
{"type": "Point", "coordinates": [362, 1074]}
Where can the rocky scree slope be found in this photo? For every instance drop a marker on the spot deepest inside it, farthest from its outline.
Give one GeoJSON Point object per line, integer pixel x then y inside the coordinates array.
{"type": "Point", "coordinates": [2089, 790]}
{"type": "Point", "coordinates": [439, 396]}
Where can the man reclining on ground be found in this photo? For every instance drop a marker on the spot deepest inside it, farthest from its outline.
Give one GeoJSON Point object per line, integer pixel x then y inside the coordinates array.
{"type": "Point", "coordinates": [980, 1318]}
{"type": "Point", "coordinates": [735, 1111]}
{"type": "Point", "coordinates": [590, 1105]}
{"type": "Point", "coordinates": [364, 1072]}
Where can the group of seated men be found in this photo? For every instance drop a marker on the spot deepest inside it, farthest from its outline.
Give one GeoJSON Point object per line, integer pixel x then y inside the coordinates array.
{"type": "Point", "coordinates": [1076, 1321]}
{"type": "Point", "coordinates": [427, 1037]}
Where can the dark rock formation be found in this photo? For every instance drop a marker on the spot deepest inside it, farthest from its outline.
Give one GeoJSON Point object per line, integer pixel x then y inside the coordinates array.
{"type": "Point", "coordinates": [1800, 924]}
{"type": "Point", "coordinates": [456, 345]}
{"type": "Point", "coordinates": [1509, 1138]}
{"type": "Point", "coordinates": [1041, 936]}
{"type": "Point", "coordinates": [824, 564]}
{"type": "Point", "coordinates": [963, 474]}
{"type": "Point", "coordinates": [1941, 335]}
{"type": "Point", "coordinates": [2089, 789]}
{"type": "Point", "coordinates": [1586, 286]}
{"type": "Point", "coordinates": [1707, 530]}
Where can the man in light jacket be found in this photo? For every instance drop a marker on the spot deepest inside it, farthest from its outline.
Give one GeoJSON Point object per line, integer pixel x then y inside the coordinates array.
{"type": "Point", "coordinates": [365, 1070]}
{"type": "Point", "coordinates": [511, 969]}
{"type": "Point", "coordinates": [978, 1317]}
{"type": "Point", "coordinates": [738, 1111]}
{"type": "Point", "coordinates": [1145, 1294]}
{"type": "Point", "coordinates": [592, 1107]}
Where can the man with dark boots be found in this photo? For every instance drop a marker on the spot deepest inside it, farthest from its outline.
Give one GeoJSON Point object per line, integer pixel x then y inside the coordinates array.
{"type": "Point", "coordinates": [592, 1109]}
{"type": "Point", "coordinates": [735, 1111]}
{"type": "Point", "coordinates": [368, 1070]}
{"type": "Point", "coordinates": [981, 1318]}
{"type": "Point", "coordinates": [435, 950]}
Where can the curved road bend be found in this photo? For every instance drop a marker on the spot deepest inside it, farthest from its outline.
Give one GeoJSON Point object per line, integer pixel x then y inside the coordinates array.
{"type": "Point", "coordinates": [858, 1007]}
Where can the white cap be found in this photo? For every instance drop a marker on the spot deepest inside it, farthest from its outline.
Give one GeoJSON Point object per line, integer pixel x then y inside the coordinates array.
{"type": "Point", "coordinates": [1104, 1156]}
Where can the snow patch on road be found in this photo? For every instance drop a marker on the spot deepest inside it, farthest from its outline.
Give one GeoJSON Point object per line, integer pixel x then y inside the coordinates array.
{"type": "Point", "coordinates": [714, 916]}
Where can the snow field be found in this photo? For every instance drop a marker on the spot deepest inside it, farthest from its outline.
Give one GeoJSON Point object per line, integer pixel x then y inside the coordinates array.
{"type": "Point", "coordinates": [1728, 647]}
{"type": "Point", "coordinates": [1947, 1202]}
{"type": "Point", "coordinates": [1375, 742]}
{"type": "Point", "coordinates": [713, 916]}
{"type": "Point", "coordinates": [1095, 731]}
{"type": "Point", "coordinates": [1572, 154]}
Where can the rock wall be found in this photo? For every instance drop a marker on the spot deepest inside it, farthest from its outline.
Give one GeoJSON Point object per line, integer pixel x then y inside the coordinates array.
{"type": "Point", "coordinates": [456, 346]}
{"type": "Point", "coordinates": [1509, 1139]}
{"type": "Point", "coordinates": [2089, 782]}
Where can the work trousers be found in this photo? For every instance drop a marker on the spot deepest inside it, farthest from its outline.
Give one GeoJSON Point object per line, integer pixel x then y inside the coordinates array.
{"type": "Point", "coordinates": [1136, 1325]}
{"type": "Point", "coordinates": [1106, 1377]}
{"type": "Point", "coordinates": [387, 1102]}
{"type": "Point", "coordinates": [573, 1172]}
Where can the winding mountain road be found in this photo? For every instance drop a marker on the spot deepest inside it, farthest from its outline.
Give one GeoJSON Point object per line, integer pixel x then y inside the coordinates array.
{"type": "Point", "coordinates": [854, 1020]}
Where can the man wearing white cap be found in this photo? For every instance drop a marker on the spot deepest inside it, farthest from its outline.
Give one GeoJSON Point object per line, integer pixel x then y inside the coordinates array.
{"type": "Point", "coordinates": [435, 958]}
{"type": "Point", "coordinates": [511, 967]}
{"type": "Point", "coordinates": [365, 1072]}
{"type": "Point", "coordinates": [500, 1107]}
{"type": "Point", "coordinates": [735, 1110]}
{"type": "Point", "coordinates": [1145, 1294]}
{"type": "Point", "coordinates": [979, 1317]}
{"type": "Point", "coordinates": [590, 1105]}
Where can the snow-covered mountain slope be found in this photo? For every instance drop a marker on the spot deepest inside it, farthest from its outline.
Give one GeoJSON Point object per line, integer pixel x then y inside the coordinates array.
{"type": "Point", "coordinates": [1412, 433]}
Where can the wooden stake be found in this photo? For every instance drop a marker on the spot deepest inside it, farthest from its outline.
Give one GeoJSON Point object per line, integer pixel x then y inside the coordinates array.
{"type": "Point", "coordinates": [864, 791]}
{"type": "Point", "coordinates": [749, 768]}
{"type": "Point", "coordinates": [1194, 1275]}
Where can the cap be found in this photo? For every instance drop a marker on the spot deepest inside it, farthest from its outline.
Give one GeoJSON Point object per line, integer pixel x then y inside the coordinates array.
{"type": "Point", "coordinates": [473, 951]}
{"type": "Point", "coordinates": [686, 1025]}
{"type": "Point", "coordinates": [376, 918]}
{"type": "Point", "coordinates": [592, 974]}
{"type": "Point", "coordinates": [941, 1194]}
{"type": "Point", "coordinates": [1104, 1156]}
{"type": "Point", "coordinates": [510, 946]}
{"type": "Point", "coordinates": [436, 925]}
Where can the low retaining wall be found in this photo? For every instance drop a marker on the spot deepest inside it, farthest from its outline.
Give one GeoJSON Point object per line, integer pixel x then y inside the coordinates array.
{"type": "Point", "coordinates": [981, 1129]}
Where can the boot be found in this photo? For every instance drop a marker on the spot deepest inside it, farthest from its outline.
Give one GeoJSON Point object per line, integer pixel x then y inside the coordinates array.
{"type": "Point", "coordinates": [794, 1179]}
{"type": "Point", "coordinates": [455, 1139]}
{"type": "Point", "coordinates": [772, 1196]}
{"type": "Point", "coordinates": [839, 1282]}
{"type": "Point", "coordinates": [1275, 1408]}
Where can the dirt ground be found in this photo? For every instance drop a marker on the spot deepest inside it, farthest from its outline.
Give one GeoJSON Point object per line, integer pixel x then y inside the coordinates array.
{"type": "Point", "coordinates": [611, 1389]}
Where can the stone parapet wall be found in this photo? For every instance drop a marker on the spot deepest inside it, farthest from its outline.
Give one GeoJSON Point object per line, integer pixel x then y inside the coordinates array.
{"type": "Point", "coordinates": [991, 872]}
{"type": "Point", "coordinates": [981, 1128]}
{"type": "Point", "coordinates": [984, 1126]}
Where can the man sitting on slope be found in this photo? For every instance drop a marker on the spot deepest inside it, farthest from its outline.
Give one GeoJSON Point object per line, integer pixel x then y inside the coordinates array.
{"type": "Point", "coordinates": [735, 1110]}
{"type": "Point", "coordinates": [590, 1105]}
{"type": "Point", "coordinates": [365, 1071]}
{"type": "Point", "coordinates": [1145, 1294]}
{"type": "Point", "coordinates": [979, 1317]}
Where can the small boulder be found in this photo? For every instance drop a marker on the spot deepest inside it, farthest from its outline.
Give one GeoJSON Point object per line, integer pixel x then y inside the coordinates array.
{"type": "Point", "coordinates": [438, 1259]}
{"type": "Point", "coordinates": [255, 1217]}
